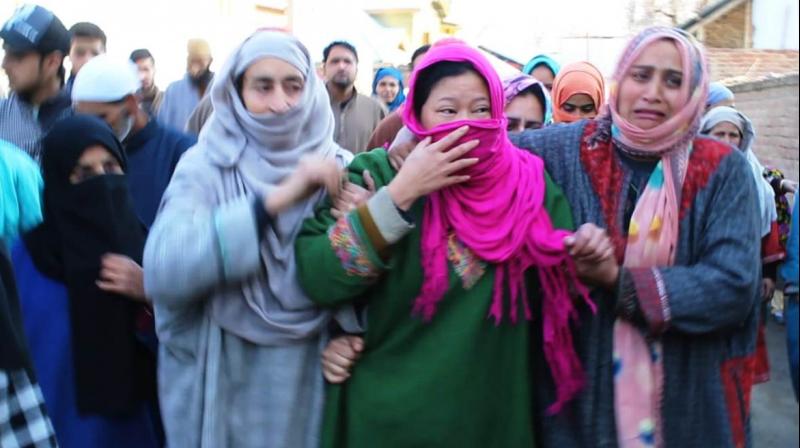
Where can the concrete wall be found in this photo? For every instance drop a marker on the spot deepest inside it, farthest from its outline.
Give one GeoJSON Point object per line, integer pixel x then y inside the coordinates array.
{"type": "Point", "coordinates": [772, 105]}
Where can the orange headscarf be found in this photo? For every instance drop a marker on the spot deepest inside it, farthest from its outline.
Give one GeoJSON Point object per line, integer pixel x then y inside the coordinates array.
{"type": "Point", "coordinates": [579, 77]}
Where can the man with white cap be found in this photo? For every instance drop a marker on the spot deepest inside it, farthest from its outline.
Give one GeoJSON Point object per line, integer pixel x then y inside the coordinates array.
{"type": "Point", "coordinates": [107, 88]}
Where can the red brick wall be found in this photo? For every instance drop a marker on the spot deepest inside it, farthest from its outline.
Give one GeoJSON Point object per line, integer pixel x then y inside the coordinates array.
{"type": "Point", "coordinates": [728, 31]}
{"type": "Point", "coordinates": [772, 105]}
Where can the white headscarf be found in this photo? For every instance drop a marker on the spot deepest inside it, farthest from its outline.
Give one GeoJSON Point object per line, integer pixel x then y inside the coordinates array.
{"type": "Point", "coordinates": [766, 197]}
{"type": "Point", "coordinates": [256, 152]}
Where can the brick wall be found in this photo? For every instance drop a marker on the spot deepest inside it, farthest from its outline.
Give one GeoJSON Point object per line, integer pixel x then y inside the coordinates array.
{"type": "Point", "coordinates": [772, 105]}
{"type": "Point", "coordinates": [729, 30]}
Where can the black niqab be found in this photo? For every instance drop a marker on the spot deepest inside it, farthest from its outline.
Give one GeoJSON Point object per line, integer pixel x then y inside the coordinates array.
{"type": "Point", "coordinates": [82, 222]}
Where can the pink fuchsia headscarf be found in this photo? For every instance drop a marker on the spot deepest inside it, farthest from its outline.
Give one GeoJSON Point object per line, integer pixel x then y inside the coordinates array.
{"type": "Point", "coordinates": [653, 231]}
{"type": "Point", "coordinates": [574, 79]}
{"type": "Point", "coordinates": [499, 215]}
{"type": "Point", "coordinates": [678, 131]}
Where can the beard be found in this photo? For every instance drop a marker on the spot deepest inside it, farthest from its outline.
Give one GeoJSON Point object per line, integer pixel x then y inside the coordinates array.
{"type": "Point", "coordinates": [342, 80]}
{"type": "Point", "coordinates": [123, 128]}
{"type": "Point", "coordinates": [27, 93]}
{"type": "Point", "coordinates": [201, 78]}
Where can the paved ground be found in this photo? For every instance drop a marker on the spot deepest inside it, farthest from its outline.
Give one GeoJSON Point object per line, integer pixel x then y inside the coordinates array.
{"type": "Point", "coordinates": [774, 409]}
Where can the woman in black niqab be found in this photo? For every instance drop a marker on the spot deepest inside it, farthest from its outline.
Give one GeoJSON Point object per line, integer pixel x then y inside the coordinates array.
{"type": "Point", "coordinates": [88, 214]}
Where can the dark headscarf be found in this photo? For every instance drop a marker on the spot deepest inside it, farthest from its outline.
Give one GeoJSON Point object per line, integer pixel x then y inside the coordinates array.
{"type": "Point", "coordinates": [82, 222]}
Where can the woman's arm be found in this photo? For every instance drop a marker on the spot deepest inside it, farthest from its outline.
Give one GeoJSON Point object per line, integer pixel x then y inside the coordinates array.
{"type": "Point", "coordinates": [720, 288]}
{"type": "Point", "coordinates": [196, 244]}
{"type": "Point", "coordinates": [338, 259]}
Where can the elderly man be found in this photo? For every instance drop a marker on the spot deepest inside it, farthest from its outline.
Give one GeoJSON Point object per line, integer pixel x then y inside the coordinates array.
{"type": "Point", "coordinates": [107, 88]}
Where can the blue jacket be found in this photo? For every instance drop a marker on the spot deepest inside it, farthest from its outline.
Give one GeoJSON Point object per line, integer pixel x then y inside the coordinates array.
{"type": "Point", "coordinates": [180, 100]}
{"type": "Point", "coordinates": [788, 270]}
{"type": "Point", "coordinates": [153, 154]}
{"type": "Point", "coordinates": [48, 329]}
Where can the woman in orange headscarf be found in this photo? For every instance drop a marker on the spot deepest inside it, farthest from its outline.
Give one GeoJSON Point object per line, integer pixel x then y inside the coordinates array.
{"type": "Point", "coordinates": [578, 93]}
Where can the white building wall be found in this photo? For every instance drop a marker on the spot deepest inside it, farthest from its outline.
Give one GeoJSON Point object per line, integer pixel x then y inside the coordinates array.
{"type": "Point", "coordinates": [775, 25]}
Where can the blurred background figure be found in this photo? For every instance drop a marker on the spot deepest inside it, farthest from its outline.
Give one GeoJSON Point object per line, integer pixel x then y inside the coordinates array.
{"type": "Point", "coordinates": [356, 115]}
{"type": "Point", "coordinates": [527, 103]}
{"type": "Point", "coordinates": [388, 128]}
{"type": "Point", "coordinates": [719, 95]}
{"type": "Point", "coordinates": [388, 87]}
{"type": "Point", "coordinates": [149, 94]}
{"type": "Point", "coordinates": [578, 93]}
{"type": "Point", "coordinates": [543, 68]}
{"type": "Point", "coordinates": [87, 40]}
{"type": "Point", "coordinates": [182, 97]}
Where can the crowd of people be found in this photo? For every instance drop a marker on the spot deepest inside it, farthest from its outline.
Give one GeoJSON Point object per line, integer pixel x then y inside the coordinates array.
{"type": "Point", "coordinates": [263, 256]}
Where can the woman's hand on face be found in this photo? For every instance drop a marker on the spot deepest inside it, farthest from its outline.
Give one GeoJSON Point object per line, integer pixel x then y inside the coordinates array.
{"type": "Point", "coordinates": [312, 173]}
{"type": "Point", "coordinates": [353, 196]}
{"type": "Point", "coordinates": [121, 275]}
{"type": "Point", "coordinates": [340, 356]}
{"type": "Point", "coordinates": [593, 253]}
{"type": "Point", "coordinates": [431, 167]}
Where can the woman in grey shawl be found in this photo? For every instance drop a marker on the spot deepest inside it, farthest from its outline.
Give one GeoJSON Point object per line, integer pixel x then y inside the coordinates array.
{"type": "Point", "coordinates": [240, 342]}
{"type": "Point", "coordinates": [733, 127]}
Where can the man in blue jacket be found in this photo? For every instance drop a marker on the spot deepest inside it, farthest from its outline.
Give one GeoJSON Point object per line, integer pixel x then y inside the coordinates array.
{"type": "Point", "coordinates": [107, 89]}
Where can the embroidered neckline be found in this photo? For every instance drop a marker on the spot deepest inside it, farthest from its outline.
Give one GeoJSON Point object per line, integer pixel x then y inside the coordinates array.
{"type": "Point", "coordinates": [467, 266]}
